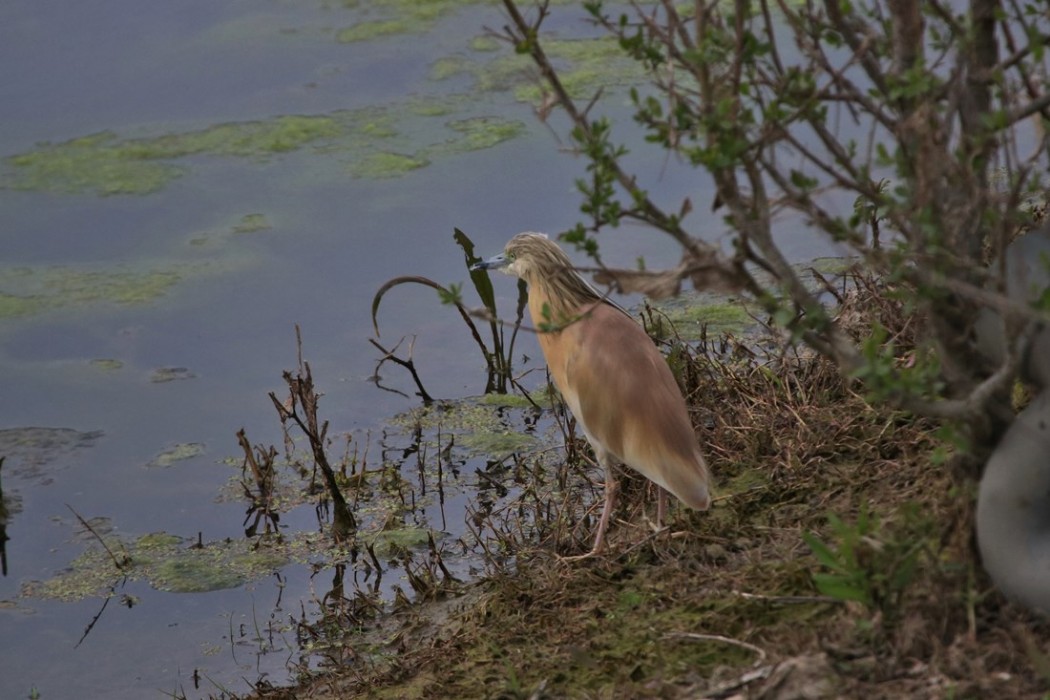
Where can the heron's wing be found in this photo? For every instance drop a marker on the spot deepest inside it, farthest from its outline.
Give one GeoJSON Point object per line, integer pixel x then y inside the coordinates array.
{"type": "Point", "coordinates": [627, 400]}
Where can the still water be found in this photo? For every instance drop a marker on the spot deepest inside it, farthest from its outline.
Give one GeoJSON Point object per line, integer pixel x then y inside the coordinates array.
{"type": "Point", "coordinates": [163, 230]}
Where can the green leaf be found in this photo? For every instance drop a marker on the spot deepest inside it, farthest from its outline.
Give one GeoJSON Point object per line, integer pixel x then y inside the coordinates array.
{"type": "Point", "coordinates": [452, 295]}
{"type": "Point", "coordinates": [822, 552]}
{"type": "Point", "coordinates": [480, 278]}
{"type": "Point", "coordinates": [802, 181]}
{"type": "Point", "coordinates": [840, 588]}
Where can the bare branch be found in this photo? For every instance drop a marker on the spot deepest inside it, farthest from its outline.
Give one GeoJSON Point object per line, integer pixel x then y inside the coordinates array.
{"type": "Point", "coordinates": [857, 36]}
{"type": "Point", "coordinates": [526, 37]}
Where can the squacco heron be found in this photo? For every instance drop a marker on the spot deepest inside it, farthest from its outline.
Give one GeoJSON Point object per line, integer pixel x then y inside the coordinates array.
{"type": "Point", "coordinates": [611, 375]}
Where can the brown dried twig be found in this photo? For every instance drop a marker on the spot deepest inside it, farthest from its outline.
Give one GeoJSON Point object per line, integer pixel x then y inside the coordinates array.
{"type": "Point", "coordinates": [304, 397]}
{"type": "Point", "coordinates": [122, 562]}
{"type": "Point", "coordinates": [260, 463]}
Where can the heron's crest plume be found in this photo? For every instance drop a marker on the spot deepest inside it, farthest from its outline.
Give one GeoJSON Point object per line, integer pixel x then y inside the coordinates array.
{"type": "Point", "coordinates": [545, 266]}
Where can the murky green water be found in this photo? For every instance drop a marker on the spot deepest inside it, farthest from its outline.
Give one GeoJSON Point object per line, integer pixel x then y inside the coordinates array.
{"type": "Point", "coordinates": [181, 185]}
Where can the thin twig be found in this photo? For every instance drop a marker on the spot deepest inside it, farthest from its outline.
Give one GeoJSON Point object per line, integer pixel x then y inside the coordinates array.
{"type": "Point", "coordinates": [408, 364]}
{"type": "Point", "coordinates": [699, 637]}
{"type": "Point", "coordinates": [789, 599]}
{"type": "Point", "coordinates": [119, 563]}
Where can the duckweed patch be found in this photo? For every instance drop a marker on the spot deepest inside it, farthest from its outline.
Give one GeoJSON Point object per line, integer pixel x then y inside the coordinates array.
{"type": "Point", "coordinates": [471, 134]}
{"type": "Point", "coordinates": [385, 165]}
{"type": "Point", "coordinates": [435, 107]}
{"type": "Point", "coordinates": [177, 453]}
{"type": "Point", "coordinates": [484, 132]}
{"type": "Point", "coordinates": [251, 139]}
{"type": "Point", "coordinates": [163, 560]}
{"type": "Point", "coordinates": [90, 163]}
{"type": "Point", "coordinates": [107, 165]}
{"type": "Point", "coordinates": [32, 452]}
{"type": "Point", "coordinates": [251, 223]}
{"type": "Point", "coordinates": [403, 17]}
{"type": "Point", "coordinates": [540, 397]}
{"type": "Point", "coordinates": [692, 315]}
{"type": "Point", "coordinates": [485, 43]}
{"type": "Point", "coordinates": [33, 290]}
{"type": "Point", "coordinates": [587, 65]}
{"type": "Point", "coordinates": [393, 542]}
{"type": "Point", "coordinates": [157, 541]}
{"type": "Point", "coordinates": [222, 236]}
{"type": "Point", "coordinates": [449, 67]}
{"type": "Point", "coordinates": [162, 375]}
{"type": "Point", "coordinates": [104, 163]}
{"type": "Point", "coordinates": [377, 29]}
{"type": "Point", "coordinates": [13, 305]}
{"type": "Point", "coordinates": [195, 573]}
{"type": "Point", "coordinates": [497, 444]}
{"type": "Point", "coordinates": [78, 287]}
{"type": "Point", "coordinates": [477, 427]}
{"type": "Point", "coordinates": [381, 143]}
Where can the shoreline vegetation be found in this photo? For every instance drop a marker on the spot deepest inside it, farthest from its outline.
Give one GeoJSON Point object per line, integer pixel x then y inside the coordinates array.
{"type": "Point", "coordinates": [837, 561]}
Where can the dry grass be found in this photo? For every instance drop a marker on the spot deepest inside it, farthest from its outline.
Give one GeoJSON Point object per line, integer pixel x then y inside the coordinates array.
{"type": "Point", "coordinates": [732, 603]}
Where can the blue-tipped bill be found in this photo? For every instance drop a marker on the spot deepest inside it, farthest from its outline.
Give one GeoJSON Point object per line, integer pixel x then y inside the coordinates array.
{"type": "Point", "coordinates": [493, 263]}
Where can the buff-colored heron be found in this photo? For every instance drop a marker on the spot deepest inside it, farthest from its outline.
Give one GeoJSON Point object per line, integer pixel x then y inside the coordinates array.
{"type": "Point", "coordinates": [611, 375]}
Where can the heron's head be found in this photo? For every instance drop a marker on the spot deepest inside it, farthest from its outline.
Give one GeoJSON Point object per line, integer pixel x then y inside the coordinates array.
{"type": "Point", "coordinates": [531, 256]}
{"type": "Point", "coordinates": [547, 270]}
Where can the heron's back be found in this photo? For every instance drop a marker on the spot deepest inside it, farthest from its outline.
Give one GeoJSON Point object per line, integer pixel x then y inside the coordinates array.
{"type": "Point", "coordinates": [625, 398]}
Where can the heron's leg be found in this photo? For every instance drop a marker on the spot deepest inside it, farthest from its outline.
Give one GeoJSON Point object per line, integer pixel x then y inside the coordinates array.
{"type": "Point", "coordinates": [612, 486]}
{"type": "Point", "coordinates": [661, 511]}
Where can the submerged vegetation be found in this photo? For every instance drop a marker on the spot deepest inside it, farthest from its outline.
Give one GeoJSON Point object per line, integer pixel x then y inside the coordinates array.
{"type": "Point", "coordinates": [397, 502]}
{"type": "Point", "coordinates": [376, 142]}
{"type": "Point", "coordinates": [110, 165]}
{"type": "Point", "coordinates": [107, 164]}
{"type": "Point", "coordinates": [166, 561]}
{"type": "Point", "coordinates": [589, 65]}
{"type": "Point", "coordinates": [32, 290]}
{"type": "Point", "coordinates": [399, 17]}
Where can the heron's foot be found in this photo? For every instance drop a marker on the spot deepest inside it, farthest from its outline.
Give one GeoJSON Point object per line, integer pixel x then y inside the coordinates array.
{"type": "Point", "coordinates": [579, 557]}
{"type": "Point", "coordinates": [657, 526]}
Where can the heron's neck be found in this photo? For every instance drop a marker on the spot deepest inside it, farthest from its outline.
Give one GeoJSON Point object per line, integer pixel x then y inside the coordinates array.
{"type": "Point", "coordinates": [563, 292]}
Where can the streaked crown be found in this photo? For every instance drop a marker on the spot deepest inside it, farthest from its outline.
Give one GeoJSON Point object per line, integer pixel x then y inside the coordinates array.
{"type": "Point", "coordinates": [547, 269]}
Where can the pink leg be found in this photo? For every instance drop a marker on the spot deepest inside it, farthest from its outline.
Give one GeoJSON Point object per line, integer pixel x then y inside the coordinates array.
{"type": "Point", "coordinates": [611, 489]}
{"type": "Point", "coordinates": [661, 506]}
{"type": "Point", "coordinates": [612, 486]}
